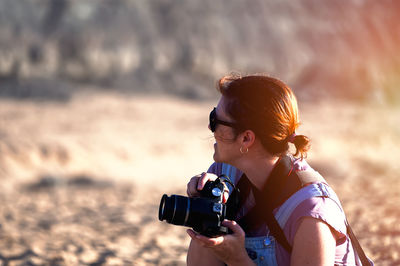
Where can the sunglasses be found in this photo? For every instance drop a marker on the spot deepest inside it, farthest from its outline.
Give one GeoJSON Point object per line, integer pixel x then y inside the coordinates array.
{"type": "Point", "coordinates": [214, 121]}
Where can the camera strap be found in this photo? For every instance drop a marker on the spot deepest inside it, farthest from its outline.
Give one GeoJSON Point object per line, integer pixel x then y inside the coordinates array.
{"type": "Point", "coordinates": [233, 202]}
{"type": "Point", "coordinates": [280, 185]}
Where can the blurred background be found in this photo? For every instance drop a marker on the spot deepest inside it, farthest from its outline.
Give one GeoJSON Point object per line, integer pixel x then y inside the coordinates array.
{"type": "Point", "coordinates": [104, 107]}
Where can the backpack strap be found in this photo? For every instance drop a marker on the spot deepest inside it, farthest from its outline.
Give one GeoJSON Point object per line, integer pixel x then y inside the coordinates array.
{"type": "Point", "coordinates": [310, 191]}
{"type": "Point", "coordinates": [315, 190]}
{"type": "Point", "coordinates": [310, 176]}
{"type": "Point", "coordinates": [361, 258]}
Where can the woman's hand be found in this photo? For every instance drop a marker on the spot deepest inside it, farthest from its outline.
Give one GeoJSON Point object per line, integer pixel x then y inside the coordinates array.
{"type": "Point", "coordinates": [227, 248]}
{"type": "Point", "coordinates": [196, 184]}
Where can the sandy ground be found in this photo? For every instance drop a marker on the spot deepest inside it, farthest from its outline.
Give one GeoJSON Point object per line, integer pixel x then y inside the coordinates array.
{"type": "Point", "coordinates": [82, 180]}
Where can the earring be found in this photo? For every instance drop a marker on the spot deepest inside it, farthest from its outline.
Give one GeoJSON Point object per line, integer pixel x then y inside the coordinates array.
{"type": "Point", "coordinates": [243, 152]}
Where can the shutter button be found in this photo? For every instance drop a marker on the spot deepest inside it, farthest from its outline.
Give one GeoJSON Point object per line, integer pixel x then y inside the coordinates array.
{"type": "Point", "coordinates": [267, 242]}
{"type": "Point", "coordinates": [216, 192]}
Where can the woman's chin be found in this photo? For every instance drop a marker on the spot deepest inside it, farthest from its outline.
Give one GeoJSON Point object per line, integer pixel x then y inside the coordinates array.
{"type": "Point", "coordinates": [218, 159]}
{"type": "Point", "coordinates": [215, 157]}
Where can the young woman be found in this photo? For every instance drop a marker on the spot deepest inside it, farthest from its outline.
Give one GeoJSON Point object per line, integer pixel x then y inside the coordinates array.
{"type": "Point", "coordinates": [255, 119]}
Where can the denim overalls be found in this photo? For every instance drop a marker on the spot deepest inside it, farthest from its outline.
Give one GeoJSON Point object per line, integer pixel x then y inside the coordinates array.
{"type": "Point", "coordinates": [262, 250]}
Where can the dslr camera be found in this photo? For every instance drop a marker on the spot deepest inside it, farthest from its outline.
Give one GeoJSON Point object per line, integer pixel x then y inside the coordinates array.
{"type": "Point", "coordinates": [205, 213]}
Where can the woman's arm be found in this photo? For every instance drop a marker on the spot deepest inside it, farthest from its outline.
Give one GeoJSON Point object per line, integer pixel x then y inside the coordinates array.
{"type": "Point", "coordinates": [314, 244]}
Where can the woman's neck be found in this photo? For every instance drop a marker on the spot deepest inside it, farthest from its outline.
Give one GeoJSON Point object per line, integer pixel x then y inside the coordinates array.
{"type": "Point", "coordinates": [258, 169]}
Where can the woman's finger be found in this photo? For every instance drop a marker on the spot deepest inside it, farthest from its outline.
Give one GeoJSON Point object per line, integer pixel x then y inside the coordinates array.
{"type": "Point", "coordinates": [191, 233]}
{"type": "Point", "coordinates": [210, 241]}
{"type": "Point", "coordinates": [225, 196]}
{"type": "Point", "coordinates": [197, 183]}
{"type": "Point", "coordinates": [204, 178]}
{"type": "Point", "coordinates": [236, 229]}
{"type": "Point", "coordinates": [202, 181]}
{"type": "Point", "coordinates": [191, 190]}
{"type": "Point", "coordinates": [205, 241]}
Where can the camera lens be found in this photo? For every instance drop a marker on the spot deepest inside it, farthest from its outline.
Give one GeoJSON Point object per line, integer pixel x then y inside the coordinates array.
{"type": "Point", "coordinates": [174, 209]}
{"type": "Point", "coordinates": [161, 210]}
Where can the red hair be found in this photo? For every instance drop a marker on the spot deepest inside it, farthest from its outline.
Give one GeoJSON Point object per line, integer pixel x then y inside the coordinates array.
{"type": "Point", "coordinates": [267, 106]}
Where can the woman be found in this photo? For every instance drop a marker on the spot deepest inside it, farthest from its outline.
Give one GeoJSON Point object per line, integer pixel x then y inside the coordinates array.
{"type": "Point", "coordinates": [255, 119]}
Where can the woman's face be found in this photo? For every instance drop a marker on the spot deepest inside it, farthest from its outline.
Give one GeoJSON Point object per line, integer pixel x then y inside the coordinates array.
{"type": "Point", "coordinates": [226, 147]}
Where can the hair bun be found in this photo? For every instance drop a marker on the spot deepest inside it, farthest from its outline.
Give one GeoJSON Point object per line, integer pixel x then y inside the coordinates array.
{"type": "Point", "coordinates": [302, 144]}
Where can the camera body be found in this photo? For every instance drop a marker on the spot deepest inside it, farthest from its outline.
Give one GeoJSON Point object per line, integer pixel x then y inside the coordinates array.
{"type": "Point", "coordinates": [204, 214]}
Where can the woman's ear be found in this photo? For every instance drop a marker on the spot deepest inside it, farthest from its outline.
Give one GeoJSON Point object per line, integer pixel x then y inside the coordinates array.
{"type": "Point", "coordinates": [248, 138]}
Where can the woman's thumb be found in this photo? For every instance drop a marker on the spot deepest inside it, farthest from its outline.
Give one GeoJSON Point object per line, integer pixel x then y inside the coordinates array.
{"type": "Point", "coordinates": [236, 229]}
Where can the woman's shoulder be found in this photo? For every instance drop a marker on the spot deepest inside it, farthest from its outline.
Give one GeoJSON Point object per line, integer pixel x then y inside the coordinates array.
{"type": "Point", "coordinates": [321, 208]}
{"type": "Point", "coordinates": [315, 199]}
{"type": "Point", "coordinates": [318, 199]}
